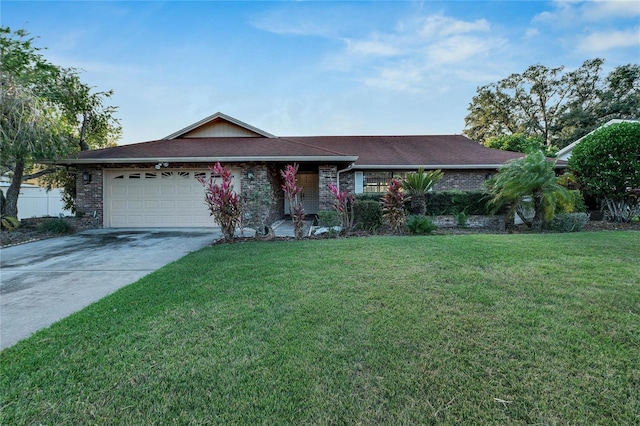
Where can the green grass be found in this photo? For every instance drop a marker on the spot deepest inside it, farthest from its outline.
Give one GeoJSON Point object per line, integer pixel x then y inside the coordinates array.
{"type": "Point", "coordinates": [472, 329]}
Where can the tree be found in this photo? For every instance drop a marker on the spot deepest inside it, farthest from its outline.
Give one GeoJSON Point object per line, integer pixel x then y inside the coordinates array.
{"type": "Point", "coordinates": [417, 185]}
{"type": "Point", "coordinates": [606, 165]}
{"type": "Point", "coordinates": [517, 142]}
{"type": "Point", "coordinates": [47, 113]}
{"type": "Point", "coordinates": [557, 106]}
{"type": "Point", "coordinates": [529, 180]}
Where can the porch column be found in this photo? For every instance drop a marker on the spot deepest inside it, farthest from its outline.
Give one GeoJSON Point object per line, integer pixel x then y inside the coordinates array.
{"type": "Point", "coordinates": [326, 174]}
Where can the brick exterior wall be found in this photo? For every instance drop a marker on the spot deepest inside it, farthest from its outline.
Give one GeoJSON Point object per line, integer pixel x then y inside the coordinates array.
{"type": "Point", "coordinates": [464, 180]}
{"type": "Point", "coordinates": [89, 199]}
{"type": "Point", "coordinates": [348, 182]}
{"type": "Point", "coordinates": [326, 174]}
{"type": "Point", "coordinates": [89, 196]}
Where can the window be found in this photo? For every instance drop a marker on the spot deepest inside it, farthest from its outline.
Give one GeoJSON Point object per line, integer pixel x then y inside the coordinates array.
{"type": "Point", "coordinates": [378, 182]}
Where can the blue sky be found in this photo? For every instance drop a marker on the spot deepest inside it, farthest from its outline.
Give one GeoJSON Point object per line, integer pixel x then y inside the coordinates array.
{"type": "Point", "coordinates": [317, 68]}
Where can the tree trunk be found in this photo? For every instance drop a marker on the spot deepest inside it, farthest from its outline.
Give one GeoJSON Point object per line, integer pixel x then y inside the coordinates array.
{"type": "Point", "coordinates": [418, 204]}
{"type": "Point", "coordinates": [10, 206]}
{"type": "Point", "coordinates": [536, 223]}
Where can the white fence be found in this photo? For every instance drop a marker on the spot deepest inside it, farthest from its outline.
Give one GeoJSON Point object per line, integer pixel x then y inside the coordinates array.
{"type": "Point", "coordinates": [37, 202]}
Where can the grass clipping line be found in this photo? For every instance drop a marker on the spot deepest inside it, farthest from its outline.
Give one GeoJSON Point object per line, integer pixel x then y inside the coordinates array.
{"type": "Point", "coordinates": [382, 330]}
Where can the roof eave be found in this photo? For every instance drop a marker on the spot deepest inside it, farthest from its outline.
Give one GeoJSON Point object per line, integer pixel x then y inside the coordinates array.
{"type": "Point", "coordinates": [314, 158]}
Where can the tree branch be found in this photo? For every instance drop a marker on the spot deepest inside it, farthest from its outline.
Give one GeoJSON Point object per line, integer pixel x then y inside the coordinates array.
{"type": "Point", "coordinates": [40, 173]}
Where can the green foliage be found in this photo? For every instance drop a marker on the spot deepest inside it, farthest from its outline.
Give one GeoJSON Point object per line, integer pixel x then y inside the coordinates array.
{"type": "Point", "coordinates": [328, 218]}
{"type": "Point", "coordinates": [532, 177]}
{"type": "Point", "coordinates": [555, 105]}
{"type": "Point", "coordinates": [606, 163]}
{"type": "Point", "coordinates": [56, 226]}
{"type": "Point", "coordinates": [46, 113]}
{"type": "Point", "coordinates": [568, 222]}
{"type": "Point", "coordinates": [519, 142]}
{"type": "Point", "coordinates": [367, 214]}
{"type": "Point", "coordinates": [455, 201]}
{"type": "Point", "coordinates": [373, 331]}
{"type": "Point", "coordinates": [421, 182]}
{"type": "Point", "coordinates": [461, 219]}
{"type": "Point", "coordinates": [9, 223]}
{"type": "Point", "coordinates": [420, 224]}
{"type": "Point", "coordinates": [579, 205]}
{"type": "Point", "coordinates": [417, 185]}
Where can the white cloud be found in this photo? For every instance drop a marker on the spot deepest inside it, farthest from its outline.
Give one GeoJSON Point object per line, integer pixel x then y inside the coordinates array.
{"type": "Point", "coordinates": [606, 40]}
{"type": "Point", "coordinates": [372, 47]}
{"type": "Point", "coordinates": [599, 10]}
{"type": "Point", "coordinates": [440, 25]}
{"type": "Point", "coordinates": [405, 58]}
{"type": "Point", "coordinates": [573, 13]}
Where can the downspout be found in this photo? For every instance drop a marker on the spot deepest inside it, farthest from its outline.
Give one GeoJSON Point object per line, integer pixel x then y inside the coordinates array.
{"type": "Point", "coordinates": [340, 171]}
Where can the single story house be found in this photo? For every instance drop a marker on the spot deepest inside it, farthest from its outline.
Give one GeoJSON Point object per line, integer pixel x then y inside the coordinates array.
{"type": "Point", "coordinates": [153, 184]}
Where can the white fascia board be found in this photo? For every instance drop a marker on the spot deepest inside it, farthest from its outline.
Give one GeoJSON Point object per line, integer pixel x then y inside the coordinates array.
{"type": "Point", "coordinates": [434, 167]}
{"type": "Point", "coordinates": [426, 166]}
{"type": "Point", "coordinates": [328, 158]}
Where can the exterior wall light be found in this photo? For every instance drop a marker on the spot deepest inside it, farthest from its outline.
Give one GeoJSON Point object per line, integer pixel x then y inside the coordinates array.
{"type": "Point", "coordinates": [86, 177]}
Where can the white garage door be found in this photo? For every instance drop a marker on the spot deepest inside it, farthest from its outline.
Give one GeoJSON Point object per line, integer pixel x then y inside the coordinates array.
{"type": "Point", "coordinates": [157, 198]}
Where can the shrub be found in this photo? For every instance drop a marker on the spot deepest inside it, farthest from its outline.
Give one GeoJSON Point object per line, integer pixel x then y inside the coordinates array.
{"type": "Point", "coordinates": [417, 185]}
{"type": "Point", "coordinates": [455, 201]}
{"type": "Point", "coordinates": [291, 190]}
{"type": "Point", "coordinates": [606, 166]}
{"type": "Point", "coordinates": [9, 222]}
{"type": "Point", "coordinates": [223, 202]}
{"type": "Point", "coordinates": [461, 219]}
{"type": "Point", "coordinates": [568, 222]}
{"type": "Point", "coordinates": [328, 218]}
{"type": "Point", "coordinates": [420, 224]}
{"type": "Point", "coordinates": [393, 207]}
{"type": "Point", "coordinates": [367, 214]}
{"type": "Point", "coordinates": [56, 226]}
{"type": "Point", "coordinates": [343, 204]}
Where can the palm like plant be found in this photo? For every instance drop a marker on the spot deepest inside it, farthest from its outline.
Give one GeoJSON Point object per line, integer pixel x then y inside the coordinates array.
{"type": "Point", "coordinates": [530, 177]}
{"type": "Point", "coordinates": [417, 185]}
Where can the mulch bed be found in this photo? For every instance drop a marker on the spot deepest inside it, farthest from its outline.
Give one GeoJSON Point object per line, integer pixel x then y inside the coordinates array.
{"type": "Point", "coordinates": [27, 233]}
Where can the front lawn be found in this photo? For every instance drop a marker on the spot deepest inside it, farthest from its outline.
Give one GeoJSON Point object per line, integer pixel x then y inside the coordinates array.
{"type": "Point", "coordinates": [472, 329]}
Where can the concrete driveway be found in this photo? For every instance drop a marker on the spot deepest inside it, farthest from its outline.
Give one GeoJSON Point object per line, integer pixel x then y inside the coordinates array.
{"type": "Point", "coordinates": [44, 281]}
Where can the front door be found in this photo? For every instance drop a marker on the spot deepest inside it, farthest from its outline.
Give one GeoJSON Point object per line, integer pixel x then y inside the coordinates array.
{"type": "Point", "coordinates": [310, 195]}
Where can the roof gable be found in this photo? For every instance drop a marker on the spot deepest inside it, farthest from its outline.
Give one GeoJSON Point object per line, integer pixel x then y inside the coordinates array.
{"type": "Point", "coordinates": [219, 125]}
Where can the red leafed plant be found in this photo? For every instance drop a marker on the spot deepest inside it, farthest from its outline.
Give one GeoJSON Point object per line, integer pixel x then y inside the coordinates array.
{"type": "Point", "coordinates": [393, 207]}
{"type": "Point", "coordinates": [223, 202]}
{"type": "Point", "coordinates": [291, 190]}
{"type": "Point", "coordinates": [343, 204]}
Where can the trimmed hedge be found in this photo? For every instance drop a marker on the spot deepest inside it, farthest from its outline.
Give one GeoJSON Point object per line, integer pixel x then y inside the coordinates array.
{"type": "Point", "coordinates": [447, 202]}
{"type": "Point", "coordinates": [367, 214]}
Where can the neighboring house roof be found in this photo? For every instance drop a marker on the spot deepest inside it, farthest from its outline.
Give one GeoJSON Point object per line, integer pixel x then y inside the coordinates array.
{"type": "Point", "coordinates": [225, 139]}
{"type": "Point", "coordinates": [565, 153]}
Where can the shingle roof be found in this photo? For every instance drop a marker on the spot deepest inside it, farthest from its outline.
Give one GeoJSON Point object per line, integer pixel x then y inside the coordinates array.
{"type": "Point", "coordinates": [445, 151]}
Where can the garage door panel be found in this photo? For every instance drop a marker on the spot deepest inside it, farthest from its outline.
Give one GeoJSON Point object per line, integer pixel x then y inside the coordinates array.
{"type": "Point", "coordinates": [158, 198]}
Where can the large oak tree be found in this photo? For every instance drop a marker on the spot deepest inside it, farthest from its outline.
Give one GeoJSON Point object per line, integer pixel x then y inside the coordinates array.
{"type": "Point", "coordinates": [556, 105]}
